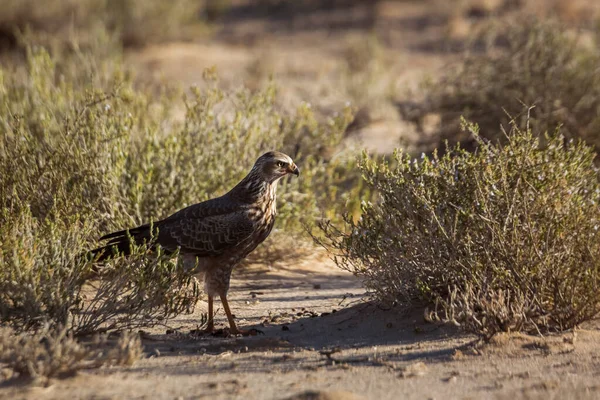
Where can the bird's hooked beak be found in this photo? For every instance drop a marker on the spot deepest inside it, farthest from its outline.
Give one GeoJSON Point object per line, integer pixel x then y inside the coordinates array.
{"type": "Point", "coordinates": [293, 169]}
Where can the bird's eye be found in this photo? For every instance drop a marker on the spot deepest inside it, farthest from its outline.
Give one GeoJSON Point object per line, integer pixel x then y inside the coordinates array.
{"type": "Point", "coordinates": [280, 164]}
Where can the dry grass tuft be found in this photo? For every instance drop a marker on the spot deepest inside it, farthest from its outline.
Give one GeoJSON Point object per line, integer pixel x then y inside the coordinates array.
{"type": "Point", "coordinates": [54, 353]}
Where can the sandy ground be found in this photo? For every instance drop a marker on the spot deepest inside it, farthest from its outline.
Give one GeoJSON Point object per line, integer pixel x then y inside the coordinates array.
{"type": "Point", "coordinates": [321, 332]}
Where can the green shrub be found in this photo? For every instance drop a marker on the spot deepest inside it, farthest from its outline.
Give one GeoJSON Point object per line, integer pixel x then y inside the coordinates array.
{"type": "Point", "coordinates": [504, 239]}
{"type": "Point", "coordinates": [538, 64]}
{"type": "Point", "coordinates": [83, 152]}
{"type": "Point", "coordinates": [44, 278]}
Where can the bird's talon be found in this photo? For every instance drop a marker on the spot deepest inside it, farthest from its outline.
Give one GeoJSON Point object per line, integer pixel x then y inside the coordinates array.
{"type": "Point", "coordinates": [224, 332]}
{"type": "Point", "coordinates": [205, 331]}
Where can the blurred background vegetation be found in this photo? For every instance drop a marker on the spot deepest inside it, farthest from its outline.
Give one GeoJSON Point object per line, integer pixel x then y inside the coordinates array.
{"type": "Point", "coordinates": [115, 112]}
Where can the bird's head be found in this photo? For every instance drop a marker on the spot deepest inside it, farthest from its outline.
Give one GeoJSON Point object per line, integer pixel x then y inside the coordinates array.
{"type": "Point", "coordinates": [275, 165]}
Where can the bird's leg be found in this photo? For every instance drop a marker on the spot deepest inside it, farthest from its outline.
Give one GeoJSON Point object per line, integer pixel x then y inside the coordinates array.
{"type": "Point", "coordinates": [210, 325]}
{"type": "Point", "coordinates": [233, 329]}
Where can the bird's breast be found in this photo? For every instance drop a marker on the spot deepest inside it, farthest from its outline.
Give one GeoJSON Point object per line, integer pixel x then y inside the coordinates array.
{"type": "Point", "coordinates": [263, 215]}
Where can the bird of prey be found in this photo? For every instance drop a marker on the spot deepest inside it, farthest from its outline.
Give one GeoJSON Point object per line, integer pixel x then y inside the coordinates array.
{"type": "Point", "coordinates": [215, 235]}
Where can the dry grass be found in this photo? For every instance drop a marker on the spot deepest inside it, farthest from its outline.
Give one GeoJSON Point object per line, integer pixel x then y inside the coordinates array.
{"type": "Point", "coordinates": [54, 353]}
{"type": "Point", "coordinates": [540, 64]}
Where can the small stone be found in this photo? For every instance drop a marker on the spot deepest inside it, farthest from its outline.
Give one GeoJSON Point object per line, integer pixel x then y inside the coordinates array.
{"type": "Point", "coordinates": [451, 379]}
{"type": "Point", "coordinates": [325, 395]}
{"type": "Point", "coordinates": [415, 369]}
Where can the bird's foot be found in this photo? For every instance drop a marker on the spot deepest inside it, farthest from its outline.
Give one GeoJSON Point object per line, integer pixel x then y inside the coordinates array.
{"type": "Point", "coordinates": [209, 330]}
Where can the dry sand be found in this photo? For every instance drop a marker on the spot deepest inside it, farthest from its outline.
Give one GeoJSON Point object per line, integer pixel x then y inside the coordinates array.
{"type": "Point", "coordinates": [322, 335]}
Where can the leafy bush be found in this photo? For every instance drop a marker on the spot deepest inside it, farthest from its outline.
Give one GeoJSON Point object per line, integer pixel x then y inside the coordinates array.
{"type": "Point", "coordinates": [504, 239]}
{"type": "Point", "coordinates": [54, 353]}
{"type": "Point", "coordinates": [84, 152]}
{"type": "Point", "coordinates": [537, 64]}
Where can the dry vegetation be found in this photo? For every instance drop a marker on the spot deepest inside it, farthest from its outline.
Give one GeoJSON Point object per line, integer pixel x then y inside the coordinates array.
{"type": "Point", "coordinates": [54, 353]}
{"type": "Point", "coordinates": [501, 239]}
{"type": "Point", "coordinates": [532, 63]}
{"type": "Point", "coordinates": [79, 158]}
{"type": "Point", "coordinates": [85, 150]}
{"type": "Point", "coordinates": [499, 233]}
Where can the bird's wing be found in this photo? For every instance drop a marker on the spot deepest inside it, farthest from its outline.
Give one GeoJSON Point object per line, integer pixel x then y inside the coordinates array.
{"type": "Point", "coordinates": [206, 229]}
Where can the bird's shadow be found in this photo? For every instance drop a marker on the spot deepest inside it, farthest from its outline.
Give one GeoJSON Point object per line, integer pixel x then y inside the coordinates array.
{"type": "Point", "coordinates": [349, 336]}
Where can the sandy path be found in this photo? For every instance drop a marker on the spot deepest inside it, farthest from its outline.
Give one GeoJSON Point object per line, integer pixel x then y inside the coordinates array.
{"type": "Point", "coordinates": [375, 354]}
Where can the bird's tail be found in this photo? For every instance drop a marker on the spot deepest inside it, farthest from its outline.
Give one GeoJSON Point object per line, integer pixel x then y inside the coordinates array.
{"type": "Point", "coordinates": [120, 242]}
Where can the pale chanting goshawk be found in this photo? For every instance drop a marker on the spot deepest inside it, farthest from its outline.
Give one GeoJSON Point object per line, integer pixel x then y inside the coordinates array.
{"type": "Point", "coordinates": [215, 235]}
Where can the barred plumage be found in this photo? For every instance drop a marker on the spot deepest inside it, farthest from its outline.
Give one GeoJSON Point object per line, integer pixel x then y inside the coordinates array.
{"type": "Point", "coordinates": [215, 235]}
